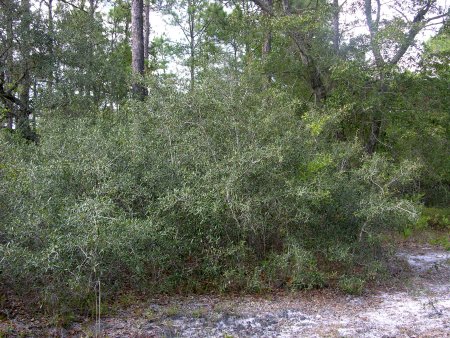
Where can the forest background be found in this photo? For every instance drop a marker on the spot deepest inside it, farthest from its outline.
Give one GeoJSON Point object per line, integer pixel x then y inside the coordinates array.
{"type": "Point", "coordinates": [277, 144]}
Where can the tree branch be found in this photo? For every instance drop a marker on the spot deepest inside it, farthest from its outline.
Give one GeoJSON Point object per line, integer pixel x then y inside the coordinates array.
{"type": "Point", "coordinates": [74, 6]}
{"type": "Point", "coordinates": [286, 6]}
{"type": "Point", "coordinates": [8, 96]}
{"type": "Point", "coordinates": [438, 17]}
{"type": "Point", "coordinates": [264, 6]}
{"type": "Point", "coordinates": [377, 20]}
{"type": "Point", "coordinates": [418, 24]}
{"type": "Point", "coordinates": [373, 30]}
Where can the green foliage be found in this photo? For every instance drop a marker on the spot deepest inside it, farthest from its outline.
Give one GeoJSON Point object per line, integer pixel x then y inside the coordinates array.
{"type": "Point", "coordinates": [351, 285]}
{"type": "Point", "coordinates": [249, 179]}
{"type": "Point", "coordinates": [434, 218]}
{"type": "Point", "coordinates": [437, 54]}
{"type": "Point", "coordinates": [191, 192]}
{"type": "Point", "coordinates": [443, 241]}
{"type": "Point", "coordinates": [437, 217]}
{"type": "Point", "coordinates": [93, 71]}
{"type": "Point", "coordinates": [432, 225]}
{"type": "Point", "coordinates": [295, 268]}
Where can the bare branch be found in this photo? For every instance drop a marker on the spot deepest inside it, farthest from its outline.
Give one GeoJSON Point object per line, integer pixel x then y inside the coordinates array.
{"type": "Point", "coordinates": [286, 6]}
{"type": "Point", "coordinates": [432, 24]}
{"type": "Point", "coordinates": [5, 52]}
{"type": "Point", "coordinates": [6, 96]}
{"type": "Point", "coordinates": [402, 14]}
{"type": "Point", "coordinates": [418, 24]}
{"type": "Point", "coordinates": [377, 20]}
{"type": "Point", "coordinates": [74, 6]}
{"type": "Point", "coordinates": [437, 17]}
{"type": "Point", "coordinates": [342, 5]}
{"type": "Point", "coordinates": [373, 30]}
{"type": "Point", "coordinates": [16, 84]}
{"type": "Point", "coordinates": [264, 6]}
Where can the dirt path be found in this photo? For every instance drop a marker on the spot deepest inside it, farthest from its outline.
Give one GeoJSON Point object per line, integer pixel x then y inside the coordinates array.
{"type": "Point", "coordinates": [419, 308]}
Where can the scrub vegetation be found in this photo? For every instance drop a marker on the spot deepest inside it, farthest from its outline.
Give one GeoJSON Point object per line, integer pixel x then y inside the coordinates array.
{"type": "Point", "coordinates": [283, 160]}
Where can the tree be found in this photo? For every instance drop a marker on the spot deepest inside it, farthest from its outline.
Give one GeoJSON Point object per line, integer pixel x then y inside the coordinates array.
{"type": "Point", "coordinates": [398, 35]}
{"type": "Point", "coordinates": [299, 22]}
{"type": "Point", "coordinates": [18, 64]}
{"type": "Point", "coordinates": [137, 47]}
{"type": "Point", "coordinates": [188, 15]}
{"type": "Point", "coordinates": [146, 22]}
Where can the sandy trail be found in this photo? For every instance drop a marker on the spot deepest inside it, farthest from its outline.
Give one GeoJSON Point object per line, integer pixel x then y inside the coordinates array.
{"type": "Point", "coordinates": [418, 308]}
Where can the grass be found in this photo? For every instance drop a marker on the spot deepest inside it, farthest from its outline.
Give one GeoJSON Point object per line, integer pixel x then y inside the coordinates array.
{"type": "Point", "coordinates": [352, 285]}
{"type": "Point", "coordinates": [172, 311]}
{"type": "Point", "coordinates": [433, 227]}
{"type": "Point", "coordinates": [199, 313]}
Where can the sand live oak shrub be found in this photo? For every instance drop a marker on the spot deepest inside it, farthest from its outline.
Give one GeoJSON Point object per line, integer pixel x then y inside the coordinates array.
{"type": "Point", "coordinates": [229, 188]}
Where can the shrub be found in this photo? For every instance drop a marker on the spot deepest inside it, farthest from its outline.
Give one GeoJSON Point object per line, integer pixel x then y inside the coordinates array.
{"type": "Point", "coordinates": [190, 192]}
{"type": "Point", "coordinates": [352, 285]}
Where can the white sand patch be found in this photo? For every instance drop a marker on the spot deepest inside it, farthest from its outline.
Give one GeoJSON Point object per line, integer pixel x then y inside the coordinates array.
{"type": "Point", "coordinates": [421, 308]}
{"type": "Point", "coordinates": [426, 260]}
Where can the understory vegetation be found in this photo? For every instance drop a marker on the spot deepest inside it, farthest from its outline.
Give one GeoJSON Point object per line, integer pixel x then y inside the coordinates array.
{"type": "Point", "coordinates": [248, 179]}
{"type": "Point", "coordinates": [194, 193]}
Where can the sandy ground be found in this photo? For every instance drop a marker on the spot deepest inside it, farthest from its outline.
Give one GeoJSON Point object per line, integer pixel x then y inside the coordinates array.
{"type": "Point", "coordinates": [418, 307]}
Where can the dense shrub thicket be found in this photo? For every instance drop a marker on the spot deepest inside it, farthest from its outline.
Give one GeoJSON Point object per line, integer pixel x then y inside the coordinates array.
{"type": "Point", "coordinates": [192, 192]}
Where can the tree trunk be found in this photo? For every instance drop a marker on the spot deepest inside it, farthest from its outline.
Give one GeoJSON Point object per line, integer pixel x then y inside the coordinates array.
{"type": "Point", "coordinates": [336, 29]}
{"type": "Point", "coordinates": [127, 30]}
{"type": "Point", "coordinates": [191, 18]}
{"type": "Point", "coordinates": [50, 45]}
{"type": "Point", "coordinates": [374, 136]}
{"type": "Point", "coordinates": [9, 67]}
{"type": "Point", "coordinates": [23, 121]}
{"type": "Point", "coordinates": [137, 48]}
{"type": "Point", "coordinates": [314, 74]}
{"type": "Point", "coordinates": [245, 9]}
{"type": "Point", "coordinates": [267, 45]}
{"type": "Point", "coordinates": [92, 7]}
{"type": "Point", "coordinates": [146, 29]}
